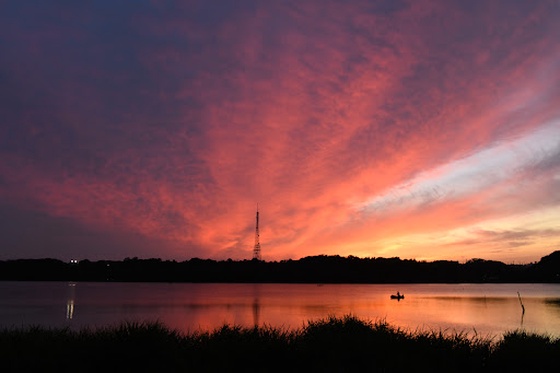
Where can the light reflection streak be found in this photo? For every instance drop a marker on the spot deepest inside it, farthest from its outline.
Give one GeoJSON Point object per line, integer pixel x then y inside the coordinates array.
{"type": "Point", "coordinates": [70, 301]}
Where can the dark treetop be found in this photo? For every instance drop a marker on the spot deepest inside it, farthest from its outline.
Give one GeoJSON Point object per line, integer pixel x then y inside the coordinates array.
{"type": "Point", "coordinates": [314, 269]}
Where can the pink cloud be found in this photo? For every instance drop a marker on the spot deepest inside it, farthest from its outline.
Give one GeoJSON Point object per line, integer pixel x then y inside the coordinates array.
{"type": "Point", "coordinates": [308, 110]}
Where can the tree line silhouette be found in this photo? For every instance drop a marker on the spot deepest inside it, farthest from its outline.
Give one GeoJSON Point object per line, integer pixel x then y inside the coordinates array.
{"type": "Point", "coordinates": [312, 269]}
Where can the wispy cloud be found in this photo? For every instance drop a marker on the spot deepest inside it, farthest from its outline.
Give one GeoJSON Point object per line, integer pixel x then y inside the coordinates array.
{"type": "Point", "coordinates": [363, 129]}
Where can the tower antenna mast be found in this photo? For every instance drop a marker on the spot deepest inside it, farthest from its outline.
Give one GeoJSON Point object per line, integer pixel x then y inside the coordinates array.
{"type": "Point", "coordinates": [257, 248]}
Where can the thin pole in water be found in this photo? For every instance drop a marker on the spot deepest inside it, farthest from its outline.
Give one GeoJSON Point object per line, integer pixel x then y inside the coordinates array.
{"type": "Point", "coordinates": [521, 303]}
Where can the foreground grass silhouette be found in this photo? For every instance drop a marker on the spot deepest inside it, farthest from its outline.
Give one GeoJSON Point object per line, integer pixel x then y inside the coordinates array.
{"type": "Point", "coordinates": [333, 344]}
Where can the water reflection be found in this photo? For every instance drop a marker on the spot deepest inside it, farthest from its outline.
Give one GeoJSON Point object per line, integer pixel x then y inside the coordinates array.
{"type": "Point", "coordinates": [487, 309]}
{"type": "Point", "coordinates": [70, 300]}
{"type": "Point", "coordinates": [256, 312]}
{"type": "Point", "coordinates": [256, 305]}
{"type": "Point", "coordinates": [554, 303]}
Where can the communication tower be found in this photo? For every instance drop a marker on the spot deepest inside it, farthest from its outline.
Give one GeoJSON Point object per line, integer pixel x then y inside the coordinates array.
{"type": "Point", "coordinates": [257, 248]}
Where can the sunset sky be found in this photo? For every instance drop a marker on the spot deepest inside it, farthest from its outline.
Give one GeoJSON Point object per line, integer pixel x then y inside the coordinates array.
{"type": "Point", "coordinates": [415, 129]}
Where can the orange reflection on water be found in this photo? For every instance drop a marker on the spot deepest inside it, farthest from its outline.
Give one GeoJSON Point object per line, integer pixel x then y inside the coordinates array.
{"type": "Point", "coordinates": [487, 310]}
{"type": "Point", "coordinates": [484, 309]}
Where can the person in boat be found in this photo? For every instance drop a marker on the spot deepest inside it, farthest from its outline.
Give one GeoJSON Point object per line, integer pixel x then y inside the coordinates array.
{"type": "Point", "coordinates": [398, 296]}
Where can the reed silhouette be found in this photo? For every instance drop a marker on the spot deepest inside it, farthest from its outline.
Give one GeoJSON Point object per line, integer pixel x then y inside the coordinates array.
{"type": "Point", "coordinates": [343, 344]}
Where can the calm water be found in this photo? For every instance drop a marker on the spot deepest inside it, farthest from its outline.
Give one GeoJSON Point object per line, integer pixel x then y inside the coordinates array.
{"type": "Point", "coordinates": [484, 309]}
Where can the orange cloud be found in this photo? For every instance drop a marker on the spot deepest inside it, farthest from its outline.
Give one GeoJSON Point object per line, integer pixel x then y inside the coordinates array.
{"type": "Point", "coordinates": [358, 129]}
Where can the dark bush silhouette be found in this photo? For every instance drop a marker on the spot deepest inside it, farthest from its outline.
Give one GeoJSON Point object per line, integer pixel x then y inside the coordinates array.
{"type": "Point", "coordinates": [345, 344]}
{"type": "Point", "coordinates": [313, 269]}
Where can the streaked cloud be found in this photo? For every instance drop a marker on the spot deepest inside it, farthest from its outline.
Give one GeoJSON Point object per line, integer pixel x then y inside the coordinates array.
{"type": "Point", "coordinates": [373, 128]}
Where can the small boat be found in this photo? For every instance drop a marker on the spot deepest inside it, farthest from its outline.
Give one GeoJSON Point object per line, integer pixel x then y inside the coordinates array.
{"type": "Point", "coordinates": [398, 296]}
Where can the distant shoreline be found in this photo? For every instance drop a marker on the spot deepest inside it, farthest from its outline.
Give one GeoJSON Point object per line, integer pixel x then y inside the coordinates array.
{"type": "Point", "coordinates": [314, 270]}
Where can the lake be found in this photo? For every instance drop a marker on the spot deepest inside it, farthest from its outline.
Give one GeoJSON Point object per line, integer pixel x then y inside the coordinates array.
{"type": "Point", "coordinates": [486, 310]}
